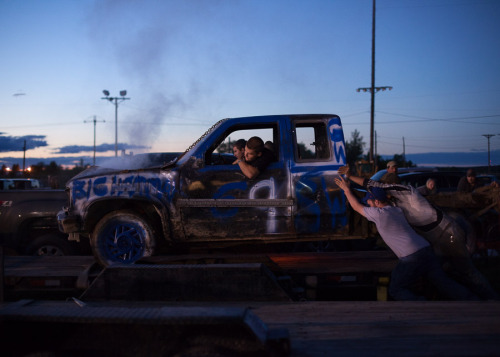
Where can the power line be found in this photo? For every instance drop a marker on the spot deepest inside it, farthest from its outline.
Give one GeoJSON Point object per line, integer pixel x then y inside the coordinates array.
{"type": "Point", "coordinates": [423, 120]}
{"type": "Point", "coordinates": [440, 119]}
{"type": "Point", "coordinates": [39, 125]}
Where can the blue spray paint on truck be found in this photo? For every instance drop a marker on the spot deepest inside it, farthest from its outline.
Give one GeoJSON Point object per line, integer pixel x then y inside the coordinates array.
{"type": "Point", "coordinates": [201, 197]}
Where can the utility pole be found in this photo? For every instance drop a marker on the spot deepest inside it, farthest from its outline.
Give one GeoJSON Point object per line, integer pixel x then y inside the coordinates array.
{"type": "Point", "coordinates": [95, 121]}
{"type": "Point", "coordinates": [116, 101]}
{"type": "Point", "coordinates": [488, 136]}
{"type": "Point", "coordinates": [373, 89]}
{"type": "Point", "coordinates": [404, 151]}
{"type": "Point", "coordinates": [24, 157]}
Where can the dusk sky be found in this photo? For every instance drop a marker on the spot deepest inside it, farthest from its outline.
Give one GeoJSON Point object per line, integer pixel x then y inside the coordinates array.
{"type": "Point", "coordinates": [186, 64]}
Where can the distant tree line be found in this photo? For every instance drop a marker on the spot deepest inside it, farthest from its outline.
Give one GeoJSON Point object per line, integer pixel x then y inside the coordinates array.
{"type": "Point", "coordinates": [354, 153]}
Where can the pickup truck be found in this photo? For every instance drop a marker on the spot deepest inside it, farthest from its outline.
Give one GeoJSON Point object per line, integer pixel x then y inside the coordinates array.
{"type": "Point", "coordinates": [18, 184]}
{"type": "Point", "coordinates": [28, 223]}
{"type": "Point", "coordinates": [201, 197]}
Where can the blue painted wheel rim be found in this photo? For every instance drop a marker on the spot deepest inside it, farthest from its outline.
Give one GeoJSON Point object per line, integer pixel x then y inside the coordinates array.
{"type": "Point", "coordinates": [124, 243]}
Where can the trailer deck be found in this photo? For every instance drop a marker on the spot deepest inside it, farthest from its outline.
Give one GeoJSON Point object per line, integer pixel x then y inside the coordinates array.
{"type": "Point", "coordinates": [321, 276]}
{"type": "Point", "coordinates": [305, 328]}
{"type": "Point", "coordinates": [347, 328]}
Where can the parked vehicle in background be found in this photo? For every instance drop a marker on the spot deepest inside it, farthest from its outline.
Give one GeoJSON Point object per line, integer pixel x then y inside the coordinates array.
{"type": "Point", "coordinates": [446, 181]}
{"type": "Point", "coordinates": [487, 179]}
{"type": "Point", "coordinates": [18, 184]}
{"type": "Point", "coordinates": [5, 184]}
{"type": "Point", "coordinates": [28, 224]}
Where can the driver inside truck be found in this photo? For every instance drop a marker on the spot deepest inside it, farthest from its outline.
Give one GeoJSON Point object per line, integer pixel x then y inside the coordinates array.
{"type": "Point", "coordinates": [257, 158]}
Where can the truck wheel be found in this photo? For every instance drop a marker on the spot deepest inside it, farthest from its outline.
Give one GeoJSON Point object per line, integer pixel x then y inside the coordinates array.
{"type": "Point", "coordinates": [50, 245]}
{"type": "Point", "coordinates": [122, 237]}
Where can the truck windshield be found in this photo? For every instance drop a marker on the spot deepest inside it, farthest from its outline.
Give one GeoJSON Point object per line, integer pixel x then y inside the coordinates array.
{"type": "Point", "coordinates": [193, 145]}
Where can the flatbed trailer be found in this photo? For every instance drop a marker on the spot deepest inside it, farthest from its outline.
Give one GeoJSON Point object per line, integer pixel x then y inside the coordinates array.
{"type": "Point", "coordinates": [137, 325]}
{"type": "Point", "coordinates": [303, 276]}
{"type": "Point", "coordinates": [297, 329]}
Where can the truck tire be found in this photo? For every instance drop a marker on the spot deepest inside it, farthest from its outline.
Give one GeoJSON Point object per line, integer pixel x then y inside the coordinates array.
{"type": "Point", "coordinates": [122, 237]}
{"type": "Point", "coordinates": [50, 245]}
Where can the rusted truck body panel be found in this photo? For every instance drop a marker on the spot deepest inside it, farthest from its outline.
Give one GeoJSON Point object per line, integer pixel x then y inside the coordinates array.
{"type": "Point", "coordinates": [202, 197]}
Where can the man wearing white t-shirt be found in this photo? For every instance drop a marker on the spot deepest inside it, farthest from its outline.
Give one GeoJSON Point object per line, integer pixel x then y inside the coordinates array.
{"type": "Point", "coordinates": [416, 258]}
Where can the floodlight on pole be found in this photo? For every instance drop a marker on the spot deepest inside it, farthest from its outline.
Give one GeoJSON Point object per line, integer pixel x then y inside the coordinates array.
{"type": "Point", "coordinates": [115, 100]}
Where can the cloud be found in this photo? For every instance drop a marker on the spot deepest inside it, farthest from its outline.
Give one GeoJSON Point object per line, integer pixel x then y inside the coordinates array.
{"type": "Point", "coordinates": [16, 143]}
{"type": "Point", "coordinates": [75, 149]}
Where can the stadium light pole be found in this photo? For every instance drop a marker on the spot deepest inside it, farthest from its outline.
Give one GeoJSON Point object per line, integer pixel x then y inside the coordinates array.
{"type": "Point", "coordinates": [95, 121]}
{"type": "Point", "coordinates": [116, 101]}
{"type": "Point", "coordinates": [488, 136]}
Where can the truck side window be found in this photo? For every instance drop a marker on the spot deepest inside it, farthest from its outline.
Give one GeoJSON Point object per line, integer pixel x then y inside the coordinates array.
{"type": "Point", "coordinates": [311, 142]}
{"type": "Point", "coordinates": [223, 152]}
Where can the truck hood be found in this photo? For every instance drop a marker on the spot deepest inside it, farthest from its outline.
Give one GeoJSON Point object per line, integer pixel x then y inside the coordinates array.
{"type": "Point", "coordinates": [139, 162]}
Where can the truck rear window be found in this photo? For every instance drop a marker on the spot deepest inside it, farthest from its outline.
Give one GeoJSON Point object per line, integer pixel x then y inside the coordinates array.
{"type": "Point", "coordinates": [311, 142]}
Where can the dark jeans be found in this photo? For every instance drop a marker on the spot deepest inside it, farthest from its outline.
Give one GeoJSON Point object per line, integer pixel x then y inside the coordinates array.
{"type": "Point", "coordinates": [424, 263]}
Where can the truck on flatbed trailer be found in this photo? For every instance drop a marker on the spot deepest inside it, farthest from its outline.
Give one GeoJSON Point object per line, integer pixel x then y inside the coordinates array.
{"type": "Point", "coordinates": [201, 197]}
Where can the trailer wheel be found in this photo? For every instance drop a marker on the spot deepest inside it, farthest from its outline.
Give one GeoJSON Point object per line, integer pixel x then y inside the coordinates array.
{"type": "Point", "coordinates": [122, 237]}
{"type": "Point", "coordinates": [50, 245]}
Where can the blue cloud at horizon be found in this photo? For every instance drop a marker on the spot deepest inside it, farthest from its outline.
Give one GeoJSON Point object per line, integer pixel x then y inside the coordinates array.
{"type": "Point", "coordinates": [16, 143]}
{"type": "Point", "coordinates": [475, 158]}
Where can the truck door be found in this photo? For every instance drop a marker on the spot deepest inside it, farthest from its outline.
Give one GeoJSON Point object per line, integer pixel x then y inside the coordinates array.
{"type": "Point", "coordinates": [318, 153]}
{"type": "Point", "coordinates": [219, 202]}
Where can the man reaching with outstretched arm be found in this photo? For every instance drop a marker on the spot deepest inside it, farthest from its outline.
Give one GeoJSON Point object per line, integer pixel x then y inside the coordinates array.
{"type": "Point", "coordinates": [414, 253]}
{"type": "Point", "coordinates": [448, 239]}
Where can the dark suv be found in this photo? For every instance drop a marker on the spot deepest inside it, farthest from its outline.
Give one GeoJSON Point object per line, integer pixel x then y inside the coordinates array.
{"type": "Point", "coordinates": [447, 181]}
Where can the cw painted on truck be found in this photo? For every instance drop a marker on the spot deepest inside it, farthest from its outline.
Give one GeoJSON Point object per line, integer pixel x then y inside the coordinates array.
{"type": "Point", "coordinates": [201, 197]}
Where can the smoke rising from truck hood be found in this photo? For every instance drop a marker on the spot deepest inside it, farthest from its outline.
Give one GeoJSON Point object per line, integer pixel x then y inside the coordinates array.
{"type": "Point", "coordinates": [140, 51]}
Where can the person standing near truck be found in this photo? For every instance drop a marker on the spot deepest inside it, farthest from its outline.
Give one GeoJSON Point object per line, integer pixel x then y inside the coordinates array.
{"type": "Point", "coordinates": [446, 236]}
{"type": "Point", "coordinates": [469, 182]}
{"type": "Point", "coordinates": [391, 175]}
{"type": "Point", "coordinates": [430, 187]}
{"type": "Point", "coordinates": [415, 256]}
{"type": "Point", "coordinates": [257, 158]}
